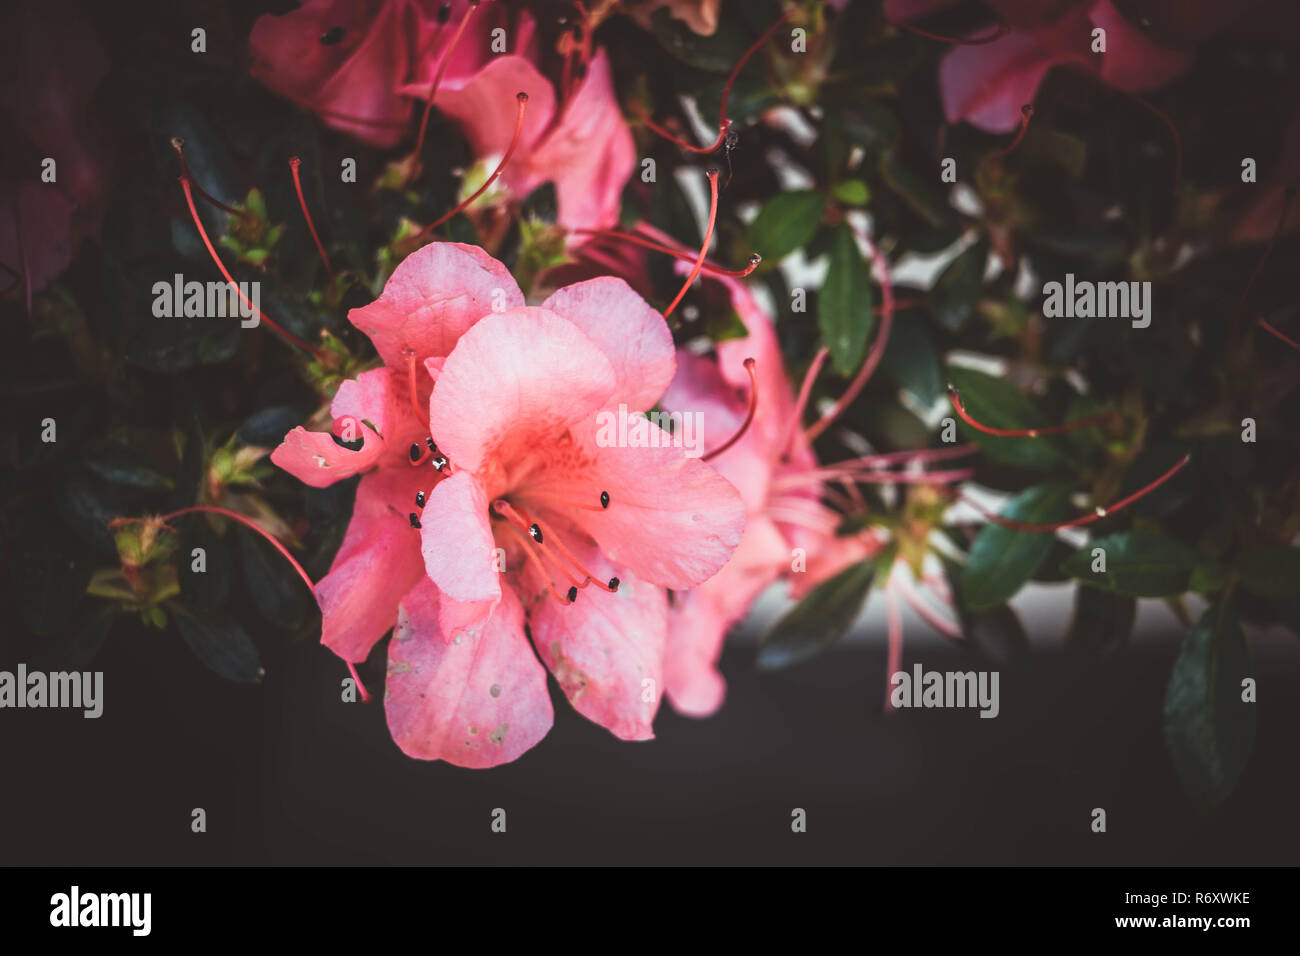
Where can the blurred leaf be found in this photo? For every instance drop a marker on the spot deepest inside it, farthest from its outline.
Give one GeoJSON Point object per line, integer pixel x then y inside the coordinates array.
{"type": "Point", "coordinates": [997, 403]}
{"type": "Point", "coordinates": [221, 644]}
{"type": "Point", "coordinates": [844, 311]}
{"type": "Point", "coordinates": [277, 590]}
{"type": "Point", "coordinates": [75, 647]}
{"type": "Point", "coordinates": [1209, 729]}
{"type": "Point", "coordinates": [1002, 560]}
{"type": "Point", "coordinates": [911, 359]}
{"type": "Point", "coordinates": [786, 222]}
{"type": "Point", "coordinates": [1138, 563]}
{"type": "Point", "coordinates": [919, 193]}
{"type": "Point", "coordinates": [819, 620]}
{"type": "Point", "coordinates": [124, 465]}
{"type": "Point", "coordinates": [716, 53]}
{"type": "Point", "coordinates": [956, 293]}
{"type": "Point", "coordinates": [48, 577]}
{"type": "Point", "coordinates": [269, 426]}
{"type": "Point", "coordinates": [208, 589]}
{"type": "Point", "coordinates": [1272, 572]}
{"type": "Point", "coordinates": [1101, 624]}
{"type": "Point", "coordinates": [997, 633]}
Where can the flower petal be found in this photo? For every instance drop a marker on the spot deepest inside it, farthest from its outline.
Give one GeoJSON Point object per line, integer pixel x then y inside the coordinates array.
{"type": "Point", "coordinates": [605, 650]}
{"type": "Point", "coordinates": [634, 337]}
{"type": "Point", "coordinates": [456, 540]}
{"type": "Point", "coordinates": [672, 519]}
{"type": "Point", "coordinates": [475, 702]}
{"type": "Point", "coordinates": [589, 155]}
{"type": "Point", "coordinates": [700, 618]}
{"type": "Point", "coordinates": [516, 380]}
{"type": "Point", "coordinates": [432, 298]}
{"type": "Point", "coordinates": [378, 562]}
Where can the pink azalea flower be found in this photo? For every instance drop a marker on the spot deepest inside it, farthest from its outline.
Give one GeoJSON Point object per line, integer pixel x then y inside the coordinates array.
{"type": "Point", "coordinates": [786, 518]}
{"type": "Point", "coordinates": [505, 507]}
{"type": "Point", "coordinates": [346, 61]}
{"type": "Point", "coordinates": [579, 143]}
{"type": "Point", "coordinates": [57, 62]}
{"type": "Point", "coordinates": [987, 84]}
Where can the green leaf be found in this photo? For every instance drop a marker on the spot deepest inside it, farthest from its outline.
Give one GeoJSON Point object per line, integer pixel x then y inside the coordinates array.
{"type": "Point", "coordinates": [1001, 560]}
{"type": "Point", "coordinates": [221, 644]}
{"type": "Point", "coordinates": [786, 222]}
{"type": "Point", "coordinates": [957, 291]}
{"type": "Point", "coordinates": [124, 465]}
{"type": "Point", "coordinates": [911, 359]}
{"type": "Point", "coordinates": [277, 590]}
{"type": "Point", "coordinates": [844, 310]}
{"type": "Point", "coordinates": [1209, 729]}
{"type": "Point", "coordinates": [851, 192]}
{"type": "Point", "coordinates": [999, 404]}
{"type": "Point", "coordinates": [819, 620]}
{"type": "Point", "coordinates": [1272, 572]}
{"type": "Point", "coordinates": [716, 53]}
{"type": "Point", "coordinates": [997, 634]}
{"type": "Point", "coordinates": [1137, 563]}
{"type": "Point", "coordinates": [208, 589]}
{"type": "Point", "coordinates": [1101, 624]}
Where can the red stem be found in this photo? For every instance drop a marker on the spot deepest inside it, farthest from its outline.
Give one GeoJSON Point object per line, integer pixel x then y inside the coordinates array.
{"type": "Point", "coordinates": [248, 523]}
{"type": "Point", "coordinates": [294, 163]}
{"type": "Point", "coordinates": [704, 248]}
{"type": "Point", "coordinates": [749, 417]}
{"type": "Point", "coordinates": [723, 123]}
{"type": "Point", "coordinates": [437, 77]}
{"type": "Point", "coordinates": [1087, 421]}
{"type": "Point", "coordinates": [1097, 515]}
{"type": "Point", "coordinates": [287, 336]}
{"type": "Point", "coordinates": [522, 99]}
{"type": "Point", "coordinates": [877, 348]}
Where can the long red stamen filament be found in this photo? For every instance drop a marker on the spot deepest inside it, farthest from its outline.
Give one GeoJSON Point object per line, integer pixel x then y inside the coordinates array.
{"type": "Point", "coordinates": [22, 253]}
{"type": "Point", "coordinates": [437, 77]}
{"type": "Point", "coordinates": [1026, 112]}
{"type": "Point", "coordinates": [877, 349]}
{"type": "Point", "coordinates": [1288, 196]}
{"type": "Point", "coordinates": [531, 555]}
{"type": "Point", "coordinates": [294, 163]}
{"type": "Point", "coordinates": [709, 267]}
{"type": "Point", "coordinates": [749, 415]}
{"type": "Point", "coordinates": [954, 394]}
{"type": "Point", "coordinates": [801, 403]}
{"type": "Point", "coordinates": [522, 99]}
{"type": "Point", "coordinates": [724, 124]}
{"type": "Point", "coordinates": [1000, 31]}
{"type": "Point", "coordinates": [178, 144]}
{"type": "Point", "coordinates": [275, 543]}
{"type": "Point", "coordinates": [550, 538]}
{"type": "Point", "coordinates": [1097, 514]}
{"type": "Point", "coordinates": [704, 247]}
{"type": "Point", "coordinates": [287, 336]}
{"type": "Point", "coordinates": [1289, 341]}
{"type": "Point", "coordinates": [926, 613]}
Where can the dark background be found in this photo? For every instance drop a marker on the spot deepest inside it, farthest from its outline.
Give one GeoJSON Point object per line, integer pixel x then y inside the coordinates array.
{"type": "Point", "coordinates": [288, 774]}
